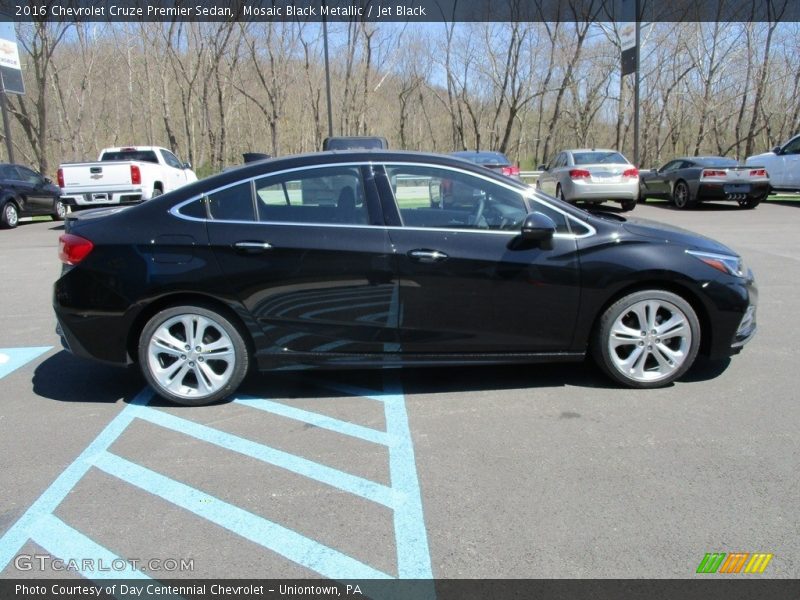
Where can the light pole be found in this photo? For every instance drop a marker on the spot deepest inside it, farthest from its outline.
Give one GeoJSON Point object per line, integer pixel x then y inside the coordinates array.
{"type": "Point", "coordinates": [327, 70]}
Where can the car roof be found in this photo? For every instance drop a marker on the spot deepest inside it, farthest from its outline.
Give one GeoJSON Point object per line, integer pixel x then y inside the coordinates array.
{"type": "Point", "coordinates": [592, 150]}
{"type": "Point", "coordinates": [264, 167]}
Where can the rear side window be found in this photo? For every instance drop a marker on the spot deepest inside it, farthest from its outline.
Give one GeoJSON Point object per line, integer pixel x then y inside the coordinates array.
{"type": "Point", "coordinates": [332, 195]}
{"type": "Point", "coordinates": [233, 203]}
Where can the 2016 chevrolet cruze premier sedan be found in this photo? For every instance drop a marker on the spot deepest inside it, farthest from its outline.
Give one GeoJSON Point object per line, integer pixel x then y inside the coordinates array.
{"type": "Point", "coordinates": [376, 258]}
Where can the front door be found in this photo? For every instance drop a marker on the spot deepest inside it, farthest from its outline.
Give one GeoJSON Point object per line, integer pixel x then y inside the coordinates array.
{"type": "Point", "coordinates": [465, 287]}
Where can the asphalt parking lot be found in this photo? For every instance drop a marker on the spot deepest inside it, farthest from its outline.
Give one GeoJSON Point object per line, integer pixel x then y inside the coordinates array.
{"type": "Point", "coordinates": [544, 471]}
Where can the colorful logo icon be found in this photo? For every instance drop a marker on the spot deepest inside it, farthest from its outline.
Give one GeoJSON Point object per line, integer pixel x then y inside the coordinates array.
{"type": "Point", "coordinates": [720, 562]}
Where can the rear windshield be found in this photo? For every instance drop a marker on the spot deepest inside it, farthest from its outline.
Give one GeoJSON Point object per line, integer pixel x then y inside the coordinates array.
{"type": "Point", "coordinates": [598, 158]}
{"type": "Point", "coordinates": [485, 158]}
{"type": "Point", "coordinates": [355, 143]}
{"type": "Point", "coordinates": [138, 155]}
{"type": "Point", "coordinates": [715, 161]}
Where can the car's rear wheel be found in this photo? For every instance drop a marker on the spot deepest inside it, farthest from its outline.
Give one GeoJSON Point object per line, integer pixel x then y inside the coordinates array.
{"type": "Point", "coordinates": [560, 193]}
{"type": "Point", "coordinates": [681, 196]}
{"type": "Point", "coordinates": [192, 355]}
{"type": "Point", "coordinates": [647, 339]}
{"type": "Point", "coordinates": [9, 217]}
{"type": "Point", "coordinates": [628, 205]}
{"type": "Point", "coordinates": [749, 203]}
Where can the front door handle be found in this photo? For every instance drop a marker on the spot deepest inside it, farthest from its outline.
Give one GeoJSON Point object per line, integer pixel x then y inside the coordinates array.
{"type": "Point", "coordinates": [252, 247]}
{"type": "Point", "coordinates": [427, 256]}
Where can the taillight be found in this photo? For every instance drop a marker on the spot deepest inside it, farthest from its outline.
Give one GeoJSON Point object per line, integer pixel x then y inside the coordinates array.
{"type": "Point", "coordinates": [60, 177]}
{"type": "Point", "coordinates": [714, 173]}
{"type": "Point", "coordinates": [136, 175]}
{"type": "Point", "coordinates": [512, 171]}
{"type": "Point", "coordinates": [72, 249]}
{"type": "Point", "coordinates": [631, 173]}
{"type": "Point", "coordinates": [579, 174]}
{"type": "Point", "coordinates": [758, 173]}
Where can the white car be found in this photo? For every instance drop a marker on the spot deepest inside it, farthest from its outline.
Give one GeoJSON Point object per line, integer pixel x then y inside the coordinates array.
{"type": "Point", "coordinates": [124, 175]}
{"type": "Point", "coordinates": [591, 176]}
{"type": "Point", "coordinates": [782, 164]}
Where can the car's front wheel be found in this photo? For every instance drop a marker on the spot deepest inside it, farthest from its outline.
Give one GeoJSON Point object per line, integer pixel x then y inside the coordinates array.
{"type": "Point", "coordinates": [192, 355]}
{"type": "Point", "coordinates": [59, 211]}
{"type": "Point", "coordinates": [647, 339]}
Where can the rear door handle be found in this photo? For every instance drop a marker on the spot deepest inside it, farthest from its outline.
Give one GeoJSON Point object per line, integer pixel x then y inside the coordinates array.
{"type": "Point", "coordinates": [427, 256]}
{"type": "Point", "coordinates": [252, 247]}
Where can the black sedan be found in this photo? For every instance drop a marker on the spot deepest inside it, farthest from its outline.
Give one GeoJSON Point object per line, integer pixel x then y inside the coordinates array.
{"type": "Point", "coordinates": [25, 193]}
{"type": "Point", "coordinates": [352, 260]}
{"type": "Point", "coordinates": [690, 180]}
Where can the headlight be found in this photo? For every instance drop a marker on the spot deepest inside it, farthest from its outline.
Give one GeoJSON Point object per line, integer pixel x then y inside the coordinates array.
{"type": "Point", "coordinates": [731, 265]}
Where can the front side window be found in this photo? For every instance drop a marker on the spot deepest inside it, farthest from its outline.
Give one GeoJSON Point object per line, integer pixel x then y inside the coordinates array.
{"type": "Point", "coordinates": [29, 176]}
{"type": "Point", "coordinates": [171, 160]}
{"type": "Point", "coordinates": [792, 147]}
{"type": "Point", "coordinates": [436, 197]}
{"type": "Point", "coordinates": [330, 195]}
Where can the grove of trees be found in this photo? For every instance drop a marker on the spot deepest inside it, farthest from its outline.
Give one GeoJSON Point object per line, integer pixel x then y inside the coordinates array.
{"type": "Point", "coordinates": [211, 91]}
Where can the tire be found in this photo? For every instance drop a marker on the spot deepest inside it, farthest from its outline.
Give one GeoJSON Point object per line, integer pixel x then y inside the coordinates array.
{"type": "Point", "coordinates": [59, 211]}
{"type": "Point", "coordinates": [560, 193]}
{"type": "Point", "coordinates": [682, 196]}
{"type": "Point", "coordinates": [653, 359]}
{"type": "Point", "coordinates": [9, 216]}
{"type": "Point", "coordinates": [157, 191]}
{"type": "Point", "coordinates": [191, 377]}
{"type": "Point", "coordinates": [749, 203]}
{"type": "Point", "coordinates": [628, 205]}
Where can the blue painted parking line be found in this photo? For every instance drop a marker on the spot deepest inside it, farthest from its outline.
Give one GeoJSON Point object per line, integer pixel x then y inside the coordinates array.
{"type": "Point", "coordinates": [12, 359]}
{"type": "Point", "coordinates": [402, 496]}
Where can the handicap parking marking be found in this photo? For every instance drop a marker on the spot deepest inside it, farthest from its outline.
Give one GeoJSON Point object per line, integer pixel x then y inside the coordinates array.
{"type": "Point", "coordinates": [12, 359]}
{"type": "Point", "coordinates": [402, 496]}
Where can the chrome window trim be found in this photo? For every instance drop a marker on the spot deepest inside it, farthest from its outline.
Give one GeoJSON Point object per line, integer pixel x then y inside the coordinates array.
{"type": "Point", "coordinates": [530, 194]}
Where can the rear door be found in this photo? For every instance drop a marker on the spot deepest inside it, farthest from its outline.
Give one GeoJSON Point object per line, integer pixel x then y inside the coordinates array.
{"type": "Point", "coordinates": [465, 287]}
{"type": "Point", "coordinates": [300, 250]}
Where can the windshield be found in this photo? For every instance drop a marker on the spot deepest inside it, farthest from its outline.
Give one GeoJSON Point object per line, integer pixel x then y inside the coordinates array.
{"type": "Point", "coordinates": [598, 158]}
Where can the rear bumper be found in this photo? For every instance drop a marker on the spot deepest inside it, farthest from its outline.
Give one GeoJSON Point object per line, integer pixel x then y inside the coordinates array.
{"type": "Point", "coordinates": [719, 191]}
{"type": "Point", "coordinates": [91, 198]}
{"type": "Point", "coordinates": [580, 190]}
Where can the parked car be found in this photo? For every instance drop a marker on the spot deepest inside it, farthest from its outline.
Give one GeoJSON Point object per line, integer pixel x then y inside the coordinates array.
{"type": "Point", "coordinates": [497, 161]}
{"type": "Point", "coordinates": [782, 165]}
{"type": "Point", "coordinates": [123, 176]}
{"type": "Point", "coordinates": [26, 193]}
{"type": "Point", "coordinates": [258, 267]}
{"type": "Point", "coordinates": [690, 180]}
{"type": "Point", "coordinates": [591, 176]}
{"type": "Point", "coordinates": [355, 142]}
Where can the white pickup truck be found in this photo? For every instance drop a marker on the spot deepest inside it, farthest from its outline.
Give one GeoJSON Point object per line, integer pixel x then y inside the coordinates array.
{"type": "Point", "coordinates": [122, 176]}
{"type": "Point", "coordinates": [782, 165]}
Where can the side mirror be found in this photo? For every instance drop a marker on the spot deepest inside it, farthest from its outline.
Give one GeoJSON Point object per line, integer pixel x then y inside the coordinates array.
{"type": "Point", "coordinates": [776, 150]}
{"type": "Point", "coordinates": [187, 165]}
{"type": "Point", "coordinates": [538, 227]}
{"type": "Point", "coordinates": [541, 168]}
{"type": "Point", "coordinates": [48, 181]}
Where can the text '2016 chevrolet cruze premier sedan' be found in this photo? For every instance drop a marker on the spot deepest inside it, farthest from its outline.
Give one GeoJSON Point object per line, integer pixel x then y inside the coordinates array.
{"type": "Point", "coordinates": [379, 259]}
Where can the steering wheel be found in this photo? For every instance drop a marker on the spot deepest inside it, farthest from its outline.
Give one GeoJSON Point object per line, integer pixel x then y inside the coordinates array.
{"type": "Point", "coordinates": [479, 212]}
